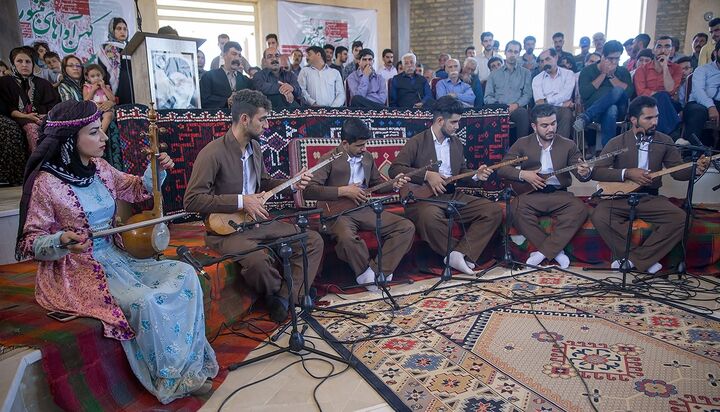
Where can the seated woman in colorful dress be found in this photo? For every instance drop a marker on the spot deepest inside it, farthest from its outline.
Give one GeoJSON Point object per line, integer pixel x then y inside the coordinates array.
{"type": "Point", "coordinates": [155, 308]}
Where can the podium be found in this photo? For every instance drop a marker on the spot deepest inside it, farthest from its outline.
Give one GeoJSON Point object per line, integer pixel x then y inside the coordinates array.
{"type": "Point", "coordinates": [164, 70]}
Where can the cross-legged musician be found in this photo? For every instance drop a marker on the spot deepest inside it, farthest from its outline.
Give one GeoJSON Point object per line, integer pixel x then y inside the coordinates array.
{"type": "Point", "coordinates": [480, 216]}
{"type": "Point", "coordinates": [546, 152]}
{"type": "Point", "coordinates": [229, 176]}
{"type": "Point", "coordinates": [348, 177]}
{"type": "Point", "coordinates": [644, 156]}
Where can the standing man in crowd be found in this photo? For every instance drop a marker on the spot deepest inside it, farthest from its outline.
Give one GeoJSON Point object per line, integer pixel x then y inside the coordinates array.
{"type": "Point", "coordinates": [352, 65]}
{"type": "Point", "coordinates": [512, 85]}
{"type": "Point", "coordinates": [598, 40]}
{"type": "Point", "coordinates": [554, 85]}
{"type": "Point", "coordinates": [329, 53]}
{"type": "Point", "coordinates": [296, 61]}
{"type": "Point", "coordinates": [559, 42]}
{"type": "Point", "coordinates": [217, 86]}
{"type": "Point", "coordinates": [341, 56]}
{"type": "Point", "coordinates": [707, 51]}
{"type": "Point", "coordinates": [388, 70]}
{"type": "Point", "coordinates": [529, 59]}
{"type": "Point", "coordinates": [698, 42]}
{"type": "Point", "coordinates": [584, 51]}
{"type": "Point", "coordinates": [441, 73]}
{"type": "Point", "coordinates": [321, 85]}
{"type": "Point", "coordinates": [486, 38]}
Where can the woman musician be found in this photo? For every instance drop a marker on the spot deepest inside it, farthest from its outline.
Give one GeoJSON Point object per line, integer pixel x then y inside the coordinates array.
{"type": "Point", "coordinates": [154, 308]}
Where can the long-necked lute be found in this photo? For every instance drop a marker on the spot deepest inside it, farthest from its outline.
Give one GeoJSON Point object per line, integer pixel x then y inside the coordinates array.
{"type": "Point", "coordinates": [219, 223]}
{"type": "Point", "coordinates": [333, 207]}
{"type": "Point", "coordinates": [524, 187]}
{"type": "Point", "coordinates": [628, 186]}
{"type": "Point", "coordinates": [424, 191]}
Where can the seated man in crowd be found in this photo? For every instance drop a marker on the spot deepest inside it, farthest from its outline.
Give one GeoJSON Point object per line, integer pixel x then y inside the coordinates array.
{"type": "Point", "coordinates": [480, 216]}
{"type": "Point", "coordinates": [584, 52]}
{"type": "Point", "coordinates": [218, 85]}
{"type": "Point", "coordinates": [605, 89]}
{"type": "Point", "coordinates": [348, 177]}
{"type": "Point", "coordinates": [367, 88]}
{"type": "Point", "coordinates": [546, 152]}
{"type": "Point", "coordinates": [559, 42]}
{"type": "Point", "coordinates": [494, 63]}
{"type": "Point", "coordinates": [686, 68]}
{"type": "Point", "coordinates": [704, 99]}
{"type": "Point", "coordinates": [408, 89]}
{"type": "Point", "coordinates": [277, 83]}
{"type": "Point", "coordinates": [441, 72]}
{"type": "Point", "coordinates": [321, 85]}
{"type": "Point", "coordinates": [512, 85]}
{"type": "Point", "coordinates": [590, 59]}
{"type": "Point", "coordinates": [706, 52]}
{"type": "Point", "coordinates": [643, 57]}
{"type": "Point", "coordinates": [640, 42]}
{"type": "Point", "coordinates": [661, 80]}
{"type": "Point", "coordinates": [296, 61]}
{"type": "Point", "coordinates": [470, 51]}
{"type": "Point", "coordinates": [529, 59]}
{"type": "Point", "coordinates": [350, 67]}
{"type": "Point", "coordinates": [610, 217]}
{"type": "Point", "coordinates": [454, 86]}
{"type": "Point", "coordinates": [469, 76]}
{"type": "Point", "coordinates": [554, 85]}
{"type": "Point", "coordinates": [229, 176]}
{"type": "Point", "coordinates": [698, 42]}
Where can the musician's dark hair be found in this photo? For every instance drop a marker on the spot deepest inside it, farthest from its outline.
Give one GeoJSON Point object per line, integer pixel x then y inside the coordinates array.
{"type": "Point", "coordinates": [638, 104]}
{"type": "Point", "coordinates": [354, 129]}
{"type": "Point", "coordinates": [248, 102]}
{"type": "Point", "coordinates": [542, 110]}
{"type": "Point", "coordinates": [445, 107]}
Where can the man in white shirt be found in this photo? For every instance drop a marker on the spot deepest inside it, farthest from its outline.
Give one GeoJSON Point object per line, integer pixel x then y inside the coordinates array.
{"type": "Point", "coordinates": [388, 70]}
{"type": "Point", "coordinates": [483, 71]}
{"type": "Point", "coordinates": [554, 85]}
{"type": "Point", "coordinates": [321, 85]}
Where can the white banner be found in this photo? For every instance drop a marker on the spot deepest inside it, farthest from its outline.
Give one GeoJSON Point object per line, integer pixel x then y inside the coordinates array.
{"type": "Point", "coordinates": [76, 27]}
{"type": "Point", "coordinates": [303, 25]}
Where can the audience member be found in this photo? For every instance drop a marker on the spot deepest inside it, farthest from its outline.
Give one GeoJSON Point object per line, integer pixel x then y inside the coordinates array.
{"type": "Point", "coordinates": [496, 46]}
{"type": "Point", "coordinates": [584, 51]}
{"type": "Point", "coordinates": [409, 89]}
{"type": "Point", "coordinates": [486, 38]}
{"type": "Point", "coordinates": [254, 70]}
{"type": "Point", "coordinates": [643, 57]}
{"type": "Point", "coordinates": [53, 68]}
{"type": "Point", "coordinates": [598, 40]}
{"type": "Point", "coordinates": [559, 42]}
{"type": "Point", "coordinates": [110, 58]}
{"type": "Point", "coordinates": [427, 73]}
{"type": "Point", "coordinates": [95, 90]}
{"type": "Point", "coordinates": [440, 72]}
{"type": "Point", "coordinates": [168, 31]}
{"type": "Point", "coordinates": [279, 84]}
{"type": "Point", "coordinates": [661, 80]}
{"type": "Point", "coordinates": [420, 70]}
{"type": "Point", "coordinates": [387, 71]}
{"type": "Point", "coordinates": [469, 76]}
{"type": "Point", "coordinates": [329, 53]}
{"type": "Point", "coordinates": [675, 55]}
{"type": "Point", "coordinates": [512, 85]}
{"type": "Point", "coordinates": [628, 45]}
{"type": "Point", "coordinates": [5, 69]}
{"type": "Point", "coordinates": [590, 59]}
{"type": "Point", "coordinates": [529, 59]}
{"type": "Point", "coordinates": [640, 42]}
{"type": "Point", "coordinates": [704, 100]}
{"type": "Point", "coordinates": [685, 64]}
{"type": "Point", "coordinates": [554, 86]}
{"type": "Point", "coordinates": [201, 63]}
{"type": "Point", "coordinates": [698, 41]}
{"type": "Point", "coordinates": [706, 52]}
{"type": "Point", "coordinates": [367, 88]}
{"type": "Point", "coordinates": [24, 97]}
{"type": "Point", "coordinates": [71, 85]}
{"type": "Point", "coordinates": [470, 51]}
{"type": "Point", "coordinates": [567, 62]}
{"type": "Point", "coordinates": [494, 63]}
{"type": "Point", "coordinates": [272, 42]}
{"type": "Point", "coordinates": [217, 86]}
{"type": "Point", "coordinates": [605, 88]}
{"type": "Point", "coordinates": [352, 64]}
{"type": "Point", "coordinates": [341, 57]}
{"type": "Point", "coordinates": [454, 86]}
{"type": "Point", "coordinates": [40, 48]}
{"type": "Point", "coordinates": [215, 63]}
{"type": "Point", "coordinates": [296, 61]}
{"type": "Point", "coordinates": [321, 85]}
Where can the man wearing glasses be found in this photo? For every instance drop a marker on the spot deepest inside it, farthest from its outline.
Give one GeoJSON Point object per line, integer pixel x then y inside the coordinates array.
{"type": "Point", "coordinates": [277, 83]}
{"type": "Point", "coordinates": [605, 88]}
{"type": "Point", "coordinates": [661, 80]}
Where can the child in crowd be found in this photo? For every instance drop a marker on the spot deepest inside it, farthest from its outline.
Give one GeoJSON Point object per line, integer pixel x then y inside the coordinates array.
{"type": "Point", "coordinates": [53, 67]}
{"type": "Point", "coordinates": [5, 69]}
{"type": "Point", "coordinates": [97, 91]}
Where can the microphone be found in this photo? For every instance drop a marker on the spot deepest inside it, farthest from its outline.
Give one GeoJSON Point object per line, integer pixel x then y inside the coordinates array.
{"type": "Point", "coordinates": [185, 255]}
{"type": "Point", "coordinates": [596, 194]}
{"type": "Point", "coordinates": [407, 199]}
{"type": "Point", "coordinates": [715, 188]}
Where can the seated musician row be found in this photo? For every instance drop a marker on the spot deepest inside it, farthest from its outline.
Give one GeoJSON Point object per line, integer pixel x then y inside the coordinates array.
{"type": "Point", "coordinates": [220, 184]}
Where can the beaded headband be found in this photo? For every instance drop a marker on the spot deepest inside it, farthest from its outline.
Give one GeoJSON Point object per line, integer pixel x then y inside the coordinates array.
{"type": "Point", "coordinates": [75, 122]}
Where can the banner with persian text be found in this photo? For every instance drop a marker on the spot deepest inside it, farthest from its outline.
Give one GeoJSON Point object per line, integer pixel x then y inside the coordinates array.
{"type": "Point", "coordinates": [72, 26]}
{"type": "Point", "coordinates": [303, 25]}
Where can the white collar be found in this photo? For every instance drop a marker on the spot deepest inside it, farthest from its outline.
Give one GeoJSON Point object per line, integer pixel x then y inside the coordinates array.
{"type": "Point", "coordinates": [447, 139]}
{"type": "Point", "coordinates": [541, 145]}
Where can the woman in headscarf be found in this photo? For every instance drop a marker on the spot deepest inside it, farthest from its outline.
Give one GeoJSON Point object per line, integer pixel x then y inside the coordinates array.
{"type": "Point", "coordinates": [25, 97]}
{"type": "Point", "coordinates": [115, 66]}
{"type": "Point", "coordinates": [70, 87]}
{"type": "Point", "coordinates": [155, 308]}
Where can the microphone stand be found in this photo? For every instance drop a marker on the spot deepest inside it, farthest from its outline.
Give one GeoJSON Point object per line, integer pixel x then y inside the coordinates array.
{"type": "Point", "coordinates": [380, 278]}
{"type": "Point", "coordinates": [697, 151]}
{"type": "Point", "coordinates": [633, 199]}
{"type": "Point", "coordinates": [296, 343]}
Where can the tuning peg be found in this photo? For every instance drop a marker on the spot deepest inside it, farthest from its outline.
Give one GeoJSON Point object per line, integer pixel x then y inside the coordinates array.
{"type": "Point", "coordinates": [162, 130]}
{"type": "Point", "coordinates": [163, 146]}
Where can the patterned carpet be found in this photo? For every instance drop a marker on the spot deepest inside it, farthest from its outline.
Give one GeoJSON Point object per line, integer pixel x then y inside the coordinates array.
{"type": "Point", "coordinates": [481, 348]}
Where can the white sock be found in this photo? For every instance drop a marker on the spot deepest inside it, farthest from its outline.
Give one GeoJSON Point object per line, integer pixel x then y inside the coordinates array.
{"type": "Point", "coordinates": [389, 277]}
{"type": "Point", "coordinates": [368, 276]}
{"type": "Point", "coordinates": [616, 264]}
{"type": "Point", "coordinates": [470, 264]}
{"type": "Point", "coordinates": [458, 262]}
{"type": "Point", "coordinates": [535, 259]}
{"type": "Point", "coordinates": [562, 259]}
{"type": "Point", "coordinates": [654, 268]}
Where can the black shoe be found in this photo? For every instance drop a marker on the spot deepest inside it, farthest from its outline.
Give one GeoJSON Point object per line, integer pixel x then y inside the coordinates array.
{"type": "Point", "coordinates": [278, 308]}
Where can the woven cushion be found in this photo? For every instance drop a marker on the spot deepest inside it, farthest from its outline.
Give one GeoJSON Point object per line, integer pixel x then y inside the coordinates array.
{"type": "Point", "coordinates": [308, 151]}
